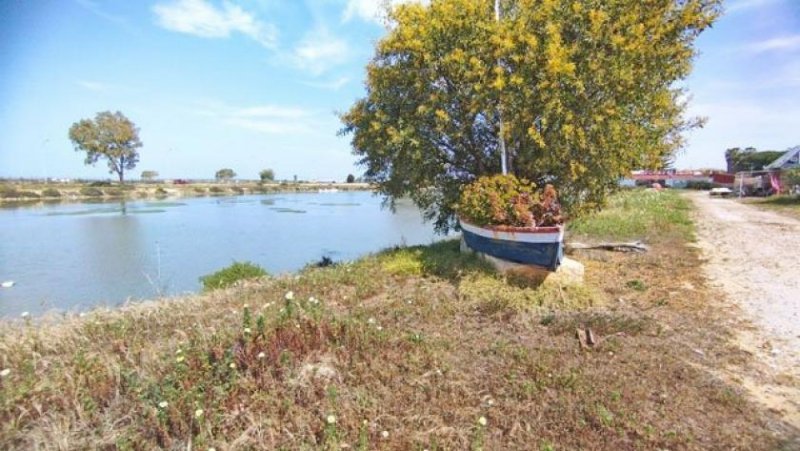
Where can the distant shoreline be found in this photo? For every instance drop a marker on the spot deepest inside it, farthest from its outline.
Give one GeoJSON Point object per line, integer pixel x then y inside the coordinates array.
{"type": "Point", "coordinates": [27, 192]}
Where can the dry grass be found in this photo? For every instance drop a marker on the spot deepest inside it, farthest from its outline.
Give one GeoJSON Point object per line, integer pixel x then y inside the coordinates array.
{"type": "Point", "coordinates": [408, 349]}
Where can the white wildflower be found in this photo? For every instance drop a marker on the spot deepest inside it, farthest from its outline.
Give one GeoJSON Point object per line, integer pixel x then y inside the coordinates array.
{"type": "Point", "coordinates": [5, 372]}
{"type": "Point", "coordinates": [482, 421]}
{"type": "Point", "coordinates": [246, 306]}
{"type": "Point", "coordinates": [371, 321]}
{"type": "Point", "coordinates": [179, 359]}
{"type": "Point", "coordinates": [179, 351]}
{"type": "Point", "coordinates": [25, 314]}
{"type": "Point", "coordinates": [163, 404]}
{"type": "Point", "coordinates": [289, 295]}
{"type": "Point", "coordinates": [331, 419]}
{"type": "Point", "coordinates": [198, 413]}
{"type": "Point", "coordinates": [247, 330]}
{"type": "Point", "coordinates": [385, 434]}
{"type": "Point", "coordinates": [232, 366]}
{"type": "Point", "coordinates": [379, 328]}
{"type": "Point", "coordinates": [261, 355]}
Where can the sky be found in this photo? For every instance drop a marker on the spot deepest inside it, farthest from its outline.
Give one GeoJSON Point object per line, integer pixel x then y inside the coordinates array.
{"type": "Point", "coordinates": [255, 84]}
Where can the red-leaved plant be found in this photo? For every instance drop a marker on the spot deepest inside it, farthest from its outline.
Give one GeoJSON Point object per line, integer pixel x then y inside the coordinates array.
{"type": "Point", "coordinates": [504, 200]}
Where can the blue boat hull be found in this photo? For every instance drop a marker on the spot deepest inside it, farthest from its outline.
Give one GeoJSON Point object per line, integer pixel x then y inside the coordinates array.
{"type": "Point", "coordinates": [543, 249]}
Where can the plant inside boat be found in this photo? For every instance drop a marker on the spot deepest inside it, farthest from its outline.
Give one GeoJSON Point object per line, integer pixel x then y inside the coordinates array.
{"type": "Point", "coordinates": [505, 200]}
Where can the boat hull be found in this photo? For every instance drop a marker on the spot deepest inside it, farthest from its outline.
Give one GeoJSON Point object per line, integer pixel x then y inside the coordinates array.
{"type": "Point", "coordinates": [541, 246]}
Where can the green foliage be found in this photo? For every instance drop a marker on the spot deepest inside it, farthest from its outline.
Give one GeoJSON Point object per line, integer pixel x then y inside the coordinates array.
{"type": "Point", "coordinates": [586, 91]}
{"type": "Point", "coordinates": [231, 274]}
{"type": "Point", "coordinates": [51, 192]}
{"type": "Point", "coordinates": [506, 200]}
{"type": "Point", "coordinates": [225, 174]}
{"type": "Point", "coordinates": [149, 176]}
{"type": "Point", "coordinates": [792, 177]}
{"type": "Point", "coordinates": [443, 259]}
{"type": "Point", "coordinates": [217, 190]}
{"type": "Point", "coordinates": [91, 191]}
{"type": "Point", "coordinates": [749, 159]}
{"type": "Point", "coordinates": [350, 178]}
{"type": "Point", "coordinates": [267, 175]}
{"type": "Point", "coordinates": [638, 214]}
{"type": "Point", "coordinates": [111, 136]}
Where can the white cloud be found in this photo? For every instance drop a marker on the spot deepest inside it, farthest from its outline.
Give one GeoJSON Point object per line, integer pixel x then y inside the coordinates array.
{"type": "Point", "coordinates": [319, 50]}
{"type": "Point", "coordinates": [783, 43]}
{"type": "Point", "coordinates": [372, 10]}
{"type": "Point", "coordinates": [204, 19]}
{"type": "Point", "coordinates": [269, 119]}
{"type": "Point", "coordinates": [333, 85]}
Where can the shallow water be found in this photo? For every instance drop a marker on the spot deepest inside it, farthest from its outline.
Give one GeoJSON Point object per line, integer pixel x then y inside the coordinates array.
{"type": "Point", "coordinates": [76, 256]}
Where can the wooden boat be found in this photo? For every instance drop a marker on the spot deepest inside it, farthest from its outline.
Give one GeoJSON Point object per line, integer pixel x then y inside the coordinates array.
{"type": "Point", "coordinates": [541, 246]}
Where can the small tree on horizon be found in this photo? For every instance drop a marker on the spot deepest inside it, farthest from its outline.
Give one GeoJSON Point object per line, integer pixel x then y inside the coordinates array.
{"type": "Point", "coordinates": [149, 176]}
{"type": "Point", "coordinates": [267, 175]}
{"type": "Point", "coordinates": [111, 136]}
{"type": "Point", "coordinates": [225, 175]}
{"type": "Point", "coordinates": [350, 178]}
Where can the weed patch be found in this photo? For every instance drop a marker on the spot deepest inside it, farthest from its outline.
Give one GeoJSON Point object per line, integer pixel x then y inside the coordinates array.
{"type": "Point", "coordinates": [638, 214]}
{"type": "Point", "coordinates": [228, 276]}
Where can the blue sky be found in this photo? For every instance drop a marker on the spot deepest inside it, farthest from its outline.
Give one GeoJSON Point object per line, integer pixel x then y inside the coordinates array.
{"type": "Point", "coordinates": [253, 84]}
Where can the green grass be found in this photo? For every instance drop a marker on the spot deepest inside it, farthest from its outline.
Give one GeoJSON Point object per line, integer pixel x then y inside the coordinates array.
{"type": "Point", "coordinates": [638, 214]}
{"type": "Point", "coordinates": [229, 275]}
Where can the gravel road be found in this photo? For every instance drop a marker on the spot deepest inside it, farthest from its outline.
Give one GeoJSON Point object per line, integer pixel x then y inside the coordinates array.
{"type": "Point", "coordinates": [754, 258]}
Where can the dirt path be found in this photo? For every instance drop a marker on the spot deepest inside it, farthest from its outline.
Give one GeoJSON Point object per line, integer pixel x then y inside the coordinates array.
{"type": "Point", "coordinates": [753, 257]}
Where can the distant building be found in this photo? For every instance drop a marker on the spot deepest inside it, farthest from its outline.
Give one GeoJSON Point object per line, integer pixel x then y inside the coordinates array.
{"type": "Point", "coordinates": [789, 160]}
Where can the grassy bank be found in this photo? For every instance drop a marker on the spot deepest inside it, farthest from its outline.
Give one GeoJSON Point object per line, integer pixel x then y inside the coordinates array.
{"type": "Point", "coordinates": [786, 204]}
{"type": "Point", "coordinates": [413, 348]}
{"type": "Point", "coordinates": [14, 192]}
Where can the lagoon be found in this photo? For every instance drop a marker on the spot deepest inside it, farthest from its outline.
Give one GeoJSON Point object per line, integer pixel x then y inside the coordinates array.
{"type": "Point", "coordinates": [73, 257]}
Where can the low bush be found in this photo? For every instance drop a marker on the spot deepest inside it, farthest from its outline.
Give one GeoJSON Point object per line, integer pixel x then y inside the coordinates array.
{"type": "Point", "coordinates": [12, 193]}
{"type": "Point", "coordinates": [161, 191]}
{"type": "Point", "coordinates": [91, 192]}
{"type": "Point", "coordinates": [698, 185]}
{"type": "Point", "coordinates": [51, 192]}
{"type": "Point", "coordinates": [216, 189]}
{"type": "Point", "coordinates": [9, 193]}
{"type": "Point", "coordinates": [237, 190]}
{"type": "Point", "coordinates": [113, 192]}
{"type": "Point", "coordinates": [229, 275]}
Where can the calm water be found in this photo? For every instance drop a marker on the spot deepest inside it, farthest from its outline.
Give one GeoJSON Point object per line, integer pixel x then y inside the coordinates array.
{"type": "Point", "coordinates": [75, 256]}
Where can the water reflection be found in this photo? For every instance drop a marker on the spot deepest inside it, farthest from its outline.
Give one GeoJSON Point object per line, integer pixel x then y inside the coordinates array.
{"type": "Point", "coordinates": [76, 255]}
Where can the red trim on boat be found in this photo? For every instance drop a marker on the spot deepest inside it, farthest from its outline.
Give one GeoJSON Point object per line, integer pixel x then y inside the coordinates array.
{"type": "Point", "coordinates": [512, 229]}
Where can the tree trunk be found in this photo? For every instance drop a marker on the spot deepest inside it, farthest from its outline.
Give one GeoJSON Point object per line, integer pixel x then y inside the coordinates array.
{"type": "Point", "coordinates": [121, 177]}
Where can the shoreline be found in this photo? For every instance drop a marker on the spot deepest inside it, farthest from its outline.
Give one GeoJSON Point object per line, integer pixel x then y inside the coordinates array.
{"type": "Point", "coordinates": [16, 193]}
